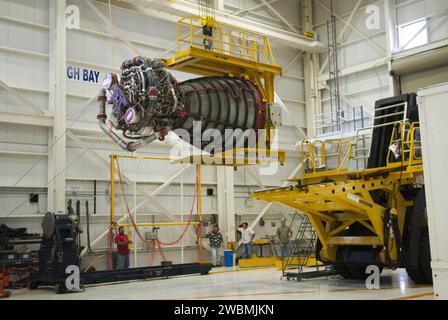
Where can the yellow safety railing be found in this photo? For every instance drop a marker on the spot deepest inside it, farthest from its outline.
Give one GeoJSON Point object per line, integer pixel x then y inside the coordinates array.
{"type": "Point", "coordinates": [225, 39]}
{"type": "Point", "coordinates": [317, 155]}
{"type": "Point", "coordinates": [405, 144]}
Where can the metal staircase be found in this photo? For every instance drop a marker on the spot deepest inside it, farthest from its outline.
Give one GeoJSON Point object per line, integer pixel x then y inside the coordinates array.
{"type": "Point", "coordinates": [303, 248]}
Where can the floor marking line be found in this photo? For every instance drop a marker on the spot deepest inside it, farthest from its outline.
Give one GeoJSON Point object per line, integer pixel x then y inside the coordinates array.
{"type": "Point", "coordinates": [414, 296]}
{"type": "Point", "coordinates": [289, 292]}
{"type": "Point", "coordinates": [246, 269]}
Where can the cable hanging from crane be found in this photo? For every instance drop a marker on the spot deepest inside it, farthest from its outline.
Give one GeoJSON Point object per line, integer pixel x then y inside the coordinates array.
{"type": "Point", "coordinates": [207, 16]}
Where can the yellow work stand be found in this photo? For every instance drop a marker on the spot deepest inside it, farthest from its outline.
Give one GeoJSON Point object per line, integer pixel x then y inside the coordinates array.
{"type": "Point", "coordinates": [255, 261]}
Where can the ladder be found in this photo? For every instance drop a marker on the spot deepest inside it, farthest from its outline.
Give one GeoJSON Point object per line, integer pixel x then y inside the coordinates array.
{"type": "Point", "coordinates": [304, 246]}
{"type": "Point", "coordinates": [335, 104]}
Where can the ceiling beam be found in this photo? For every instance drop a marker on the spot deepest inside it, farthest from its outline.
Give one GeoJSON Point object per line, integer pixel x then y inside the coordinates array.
{"type": "Point", "coordinates": [365, 36]}
{"type": "Point", "coordinates": [282, 19]}
{"type": "Point", "coordinates": [254, 7]}
{"type": "Point", "coordinates": [181, 8]}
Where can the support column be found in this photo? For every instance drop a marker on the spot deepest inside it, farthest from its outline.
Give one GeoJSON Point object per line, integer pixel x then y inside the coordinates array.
{"type": "Point", "coordinates": [226, 203]}
{"type": "Point", "coordinates": [391, 40]}
{"type": "Point", "coordinates": [310, 72]}
{"type": "Point", "coordinates": [57, 106]}
{"type": "Point", "coordinates": [219, 5]}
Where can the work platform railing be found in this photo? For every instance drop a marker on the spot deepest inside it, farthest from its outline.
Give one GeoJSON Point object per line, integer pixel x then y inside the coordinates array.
{"type": "Point", "coordinates": [405, 145]}
{"type": "Point", "coordinates": [326, 155]}
{"type": "Point", "coordinates": [363, 137]}
{"type": "Point", "coordinates": [194, 31]}
{"type": "Point", "coordinates": [336, 155]}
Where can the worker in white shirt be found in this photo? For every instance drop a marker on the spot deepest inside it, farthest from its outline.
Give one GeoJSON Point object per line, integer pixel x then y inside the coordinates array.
{"type": "Point", "coordinates": [247, 235]}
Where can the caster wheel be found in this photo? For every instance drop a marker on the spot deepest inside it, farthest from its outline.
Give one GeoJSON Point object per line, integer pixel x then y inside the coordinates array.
{"type": "Point", "coordinates": [32, 285]}
{"type": "Point", "coordinates": [60, 288]}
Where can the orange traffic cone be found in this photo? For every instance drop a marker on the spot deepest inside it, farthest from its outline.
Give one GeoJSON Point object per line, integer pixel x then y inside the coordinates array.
{"type": "Point", "coordinates": [3, 283]}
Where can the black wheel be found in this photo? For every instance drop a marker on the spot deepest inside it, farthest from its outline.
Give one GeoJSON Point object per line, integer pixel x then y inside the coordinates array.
{"type": "Point", "coordinates": [359, 272]}
{"type": "Point", "coordinates": [32, 285]}
{"type": "Point", "coordinates": [423, 272]}
{"type": "Point", "coordinates": [342, 270]}
{"type": "Point", "coordinates": [60, 288]}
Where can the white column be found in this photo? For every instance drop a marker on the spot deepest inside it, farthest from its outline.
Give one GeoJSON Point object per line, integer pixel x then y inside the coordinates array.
{"type": "Point", "coordinates": [230, 204]}
{"type": "Point", "coordinates": [134, 235]}
{"type": "Point", "coordinates": [57, 106]}
{"type": "Point", "coordinates": [182, 257]}
{"type": "Point", "coordinates": [391, 40]}
{"type": "Point", "coordinates": [219, 4]}
{"type": "Point", "coordinates": [226, 203]}
{"type": "Point", "coordinates": [310, 94]}
{"type": "Point", "coordinates": [310, 71]}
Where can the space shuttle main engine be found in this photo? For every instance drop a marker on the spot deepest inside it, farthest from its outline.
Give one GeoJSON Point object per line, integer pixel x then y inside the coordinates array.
{"type": "Point", "coordinates": [147, 103]}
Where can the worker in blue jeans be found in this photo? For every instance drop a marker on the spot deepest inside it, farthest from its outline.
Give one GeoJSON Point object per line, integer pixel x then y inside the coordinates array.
{"type": "Point", "coordinates": [216, 242]}
{"type": "Point", "coordinates": [247, 235]}
{"type": "Point", "coordinates": [122, 241]}
{"type": "Point", "coordinates": [284, 234]}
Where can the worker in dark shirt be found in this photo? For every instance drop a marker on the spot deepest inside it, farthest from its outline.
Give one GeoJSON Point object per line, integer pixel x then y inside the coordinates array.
{"type": "Point", "coordinates": [122, 241]}
{"type": "Point", "coordinates": [216, 242]}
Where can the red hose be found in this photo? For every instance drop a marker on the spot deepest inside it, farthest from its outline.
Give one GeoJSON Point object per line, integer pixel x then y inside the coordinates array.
{"type": "Point", "coordinates": [159, 243]}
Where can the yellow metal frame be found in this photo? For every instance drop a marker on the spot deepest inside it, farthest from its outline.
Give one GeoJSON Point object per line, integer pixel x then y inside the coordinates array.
{"type": "Point", "coordinates": [255, 261]}
{"type": "Point", "coordinates": [113, 224]}
{"type": "Point", "coordinates": [226, 39]}
{"type": "Point", "coordinates": [403, 135]}
{"type": "Point", "coordinates": [236, 157]}
{"type": "Point", "coordinates": [234, 52]}
{"type": "Point", "coordinates": [335, 199]}
{"type": "Point", "coordinates": [315, 156]}
{"type": "Point", "coordinates": [261, 156]}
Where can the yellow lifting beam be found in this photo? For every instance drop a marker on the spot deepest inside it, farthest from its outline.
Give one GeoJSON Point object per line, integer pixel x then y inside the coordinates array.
{"type": "Point", "coordinates": [229, 51]}
{"type": "Point", "coordinates": [208, 47]}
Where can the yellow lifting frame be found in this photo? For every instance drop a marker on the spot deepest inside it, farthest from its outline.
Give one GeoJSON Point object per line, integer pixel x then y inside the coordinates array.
{"type": "Point", "coordinates": [227, 158]}
{"type": "Point", "coordinates": [115, 157]}
{"type": "Point", "coordinates": [232, 51]}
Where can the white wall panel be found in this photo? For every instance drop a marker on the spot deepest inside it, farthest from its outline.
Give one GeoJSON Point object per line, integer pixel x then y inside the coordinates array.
{"type": "Point", "coordinates": [93, 48]}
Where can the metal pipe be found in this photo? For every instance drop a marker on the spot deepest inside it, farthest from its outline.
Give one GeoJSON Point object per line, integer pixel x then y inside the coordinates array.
{"type": "Point", "coordinates": [155, 224]}
{"type": "Point", "coordinates": [88, 227]}
{"type": "Point", "coordinates": [128, 146]}
{"type": "Point", "coordinates": [94, 196]}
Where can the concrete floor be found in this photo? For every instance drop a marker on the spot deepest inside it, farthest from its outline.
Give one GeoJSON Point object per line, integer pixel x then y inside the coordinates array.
{"type": "Point", "coordinates": [244, 284]}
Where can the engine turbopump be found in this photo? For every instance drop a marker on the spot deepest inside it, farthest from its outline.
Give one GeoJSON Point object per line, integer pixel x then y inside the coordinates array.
{"type": "Point", "coordinates": [147, 103]}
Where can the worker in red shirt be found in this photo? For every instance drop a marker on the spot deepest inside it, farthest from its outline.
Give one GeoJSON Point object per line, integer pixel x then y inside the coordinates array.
{"type": "Point", "coordinates": [122, 241]}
